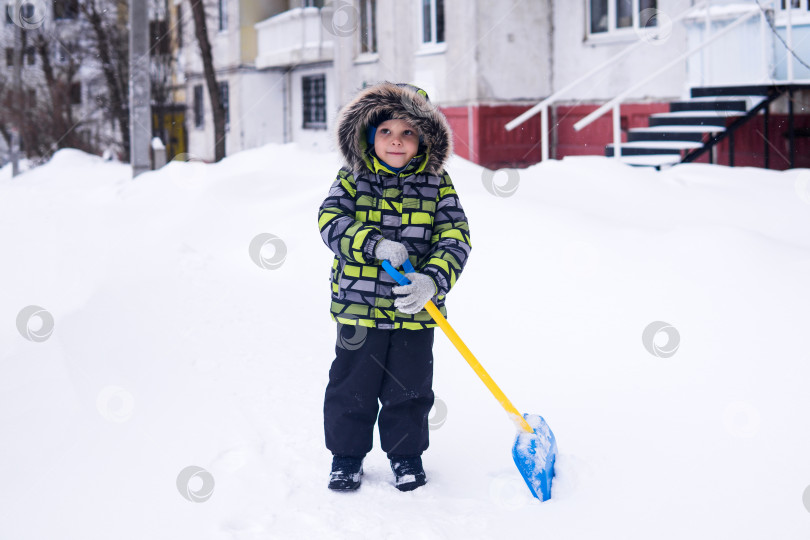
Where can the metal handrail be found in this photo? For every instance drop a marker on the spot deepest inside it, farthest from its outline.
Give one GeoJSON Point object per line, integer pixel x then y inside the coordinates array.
{"type": "Point", "coordinates": [610, 104]}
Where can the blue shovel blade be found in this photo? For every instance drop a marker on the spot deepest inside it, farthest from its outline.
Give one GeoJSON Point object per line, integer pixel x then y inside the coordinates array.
{"type": "Point", "coordinates": [534, 455]}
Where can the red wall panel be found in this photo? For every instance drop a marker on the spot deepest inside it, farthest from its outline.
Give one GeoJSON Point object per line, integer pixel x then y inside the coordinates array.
{"type": "Point", "coordinates": [490, 144]}
{"type": "Point", "coordinates": [479, 135]}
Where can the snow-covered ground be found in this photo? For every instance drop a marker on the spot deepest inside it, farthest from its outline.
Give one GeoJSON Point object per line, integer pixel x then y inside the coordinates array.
{"type": "Point", "coordinates": [172, 348]}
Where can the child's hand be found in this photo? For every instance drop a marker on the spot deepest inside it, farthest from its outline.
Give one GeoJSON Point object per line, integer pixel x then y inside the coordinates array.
{"type": "Point", "coordinates": [421, 289]}
{"type": "Point", "coordinates": [394, 252]}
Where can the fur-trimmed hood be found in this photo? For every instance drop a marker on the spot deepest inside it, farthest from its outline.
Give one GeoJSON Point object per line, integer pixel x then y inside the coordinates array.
{"type": "Point", "coordinates": [397, 102]}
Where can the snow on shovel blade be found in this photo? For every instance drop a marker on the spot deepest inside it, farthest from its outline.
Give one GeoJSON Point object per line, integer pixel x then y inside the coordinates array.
{"type": "Point", "coordinates": [534, 455]}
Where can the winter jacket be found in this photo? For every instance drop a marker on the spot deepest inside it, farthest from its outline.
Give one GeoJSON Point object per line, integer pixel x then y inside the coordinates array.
{"type": "Point", "coordinates": [418, 207]}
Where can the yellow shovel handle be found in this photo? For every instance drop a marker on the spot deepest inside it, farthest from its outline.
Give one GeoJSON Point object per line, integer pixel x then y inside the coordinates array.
{"type": "Point", "coordinates": [477, 367]}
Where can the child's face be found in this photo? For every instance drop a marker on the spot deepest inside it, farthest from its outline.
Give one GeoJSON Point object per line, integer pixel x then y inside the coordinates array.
{"type": "Point", "coordinates": [396, 142]}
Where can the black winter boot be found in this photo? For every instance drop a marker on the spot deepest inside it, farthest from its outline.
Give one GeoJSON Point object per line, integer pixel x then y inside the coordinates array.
{"type": "Point", "coordinates": [409, 472]}
{"type": "Point", "coordinates": [346, 473]}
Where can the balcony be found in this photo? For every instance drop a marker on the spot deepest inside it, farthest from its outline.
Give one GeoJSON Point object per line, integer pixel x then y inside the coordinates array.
{"type": "Point", "coordinates": [292, 38]}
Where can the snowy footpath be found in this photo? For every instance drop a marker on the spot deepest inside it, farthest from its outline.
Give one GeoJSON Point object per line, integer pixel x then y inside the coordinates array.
{"type": "Point", "coordinates": [162, 378]}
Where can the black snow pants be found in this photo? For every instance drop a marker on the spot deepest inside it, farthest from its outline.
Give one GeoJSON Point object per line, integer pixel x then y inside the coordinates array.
{"type": "Point", "coordinates": [392, 366]}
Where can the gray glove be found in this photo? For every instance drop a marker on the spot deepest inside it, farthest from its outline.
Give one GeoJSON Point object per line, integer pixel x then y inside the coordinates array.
{"type": "Point", "coordinates": [394, 252]}
{"type": "Point", "coordinates": [415, 295]}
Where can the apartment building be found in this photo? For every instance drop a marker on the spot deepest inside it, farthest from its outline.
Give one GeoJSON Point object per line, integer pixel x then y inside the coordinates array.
{"type": "Point", "coordinates": [60, 25]}
{"type": "Point", "coordinates": [287, 67]}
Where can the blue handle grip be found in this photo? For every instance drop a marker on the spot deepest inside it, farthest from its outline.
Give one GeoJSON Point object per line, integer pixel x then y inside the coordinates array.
{"type": "Point", "coordinates": [399, 278]}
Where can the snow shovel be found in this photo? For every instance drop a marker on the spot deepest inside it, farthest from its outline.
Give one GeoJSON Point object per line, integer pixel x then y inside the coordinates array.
{"type": "Point", "coordinates": [535, 448]}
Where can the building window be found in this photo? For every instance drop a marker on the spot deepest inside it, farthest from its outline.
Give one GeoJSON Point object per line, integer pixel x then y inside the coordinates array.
{"type": "Point", "coordinates": [199, 119]}
{"type": "Point", "coordinates": [159, 42]}
{"type": "Point", "coordinates": [599, 16]}
{"type": "Point", "coordinates": [223, 15]}
{"type": "Point", "coordinates": [314, 94]}
{"type": "Point", "coordinates": [76, 93]}
{"type": "Point", "coordinates": [66, 9]}
{"type": "Point", "coordinates": [624, 13]}
{"type": "Point", "coordinates": [26, 12]}
{"type": "Point", "coordinates": [29, 54]}
{"type": "Point", "coordinates": [368, 28]}
{"type": "Point", "coordinates": [179, 26]}
{"type": "Point", "coordinates": [224, 100]}
{"type": "Point", "coordinates": [606, 16]}
{"type": "Point", "coordinates": [432, 21]}
{"type": "Point", "coordinates": [799, 11]}
{"type": "Point", "coordinates": [796, 4]}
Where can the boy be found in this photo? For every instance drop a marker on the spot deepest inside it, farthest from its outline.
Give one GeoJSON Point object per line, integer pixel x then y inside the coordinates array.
{"type": "Point", "coordinates": [391, 201]}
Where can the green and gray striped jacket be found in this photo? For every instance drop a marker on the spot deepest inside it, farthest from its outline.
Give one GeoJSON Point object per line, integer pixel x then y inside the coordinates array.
{"type": "Point", "coordinates": [418, 207]}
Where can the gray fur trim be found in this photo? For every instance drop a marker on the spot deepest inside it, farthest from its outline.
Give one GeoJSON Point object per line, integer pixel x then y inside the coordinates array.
{"type": "Point", "coordinates": [401, 103]}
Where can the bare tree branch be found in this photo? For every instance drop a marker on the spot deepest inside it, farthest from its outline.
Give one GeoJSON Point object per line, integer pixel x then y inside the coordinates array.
{"type": "Point", "coordinates": [114, 55]}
